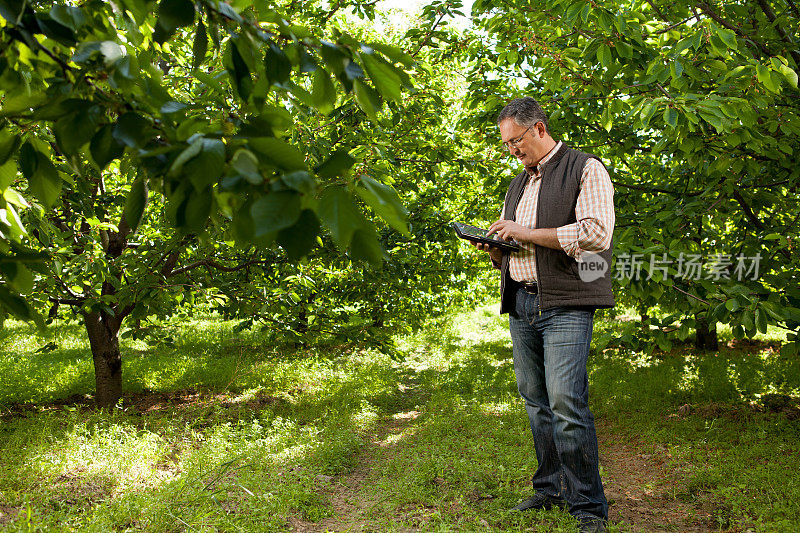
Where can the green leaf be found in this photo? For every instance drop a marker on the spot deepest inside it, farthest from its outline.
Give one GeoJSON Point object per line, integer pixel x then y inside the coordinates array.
{"type": "Point", "coordinates": [763, 75]}
{"type": "Point", "coordinates": [712, 119]}
{"type": "Point", "coordinates": [175, 210]}
{"type": "Point", "coordinates": [246, 165]}
{"type": "Point", "coordinates": [789, 74]}
{"type": "Point", "coordinates": [278, 152]}
{"type": "Point", "coordinates": [22, 103]}
{"type": "Point", "coordinates": [301, 94]}
{"type": "Point", "coordinates": [747, 320]}
{"type": "Point", "coordinates": [301, 181]}
{"type": "Point", "coordinates": [8, 145]}
{"type": "Point", "coordinates": [174, 14]}
{"type": "Point", "coordinates": [337, 164]}
{"type": "Point", "coordinates": [365, 246]}
{"type": "Point", "coordinates": [340, 214]}
{"type": "Point", "coordinates": [275, 211]}
{"type": "Point", "coordinates": [44, 183]}
{"type": "Point", "coordinates": [277, 65]}
{"type": "Point", "coordinates": [394, 53]}
{"type": "Point", "coordinates": [242, 224]}
{"type": "Point", "coordinates": [172, 107]}
{"type": "Point", "coordinates": [8, 174]}
{"type": "Point", "coordinates": [16, 230]}
{"type": "Point", "coordinates": [104, 147]}
{"type": "Point", "coordinates": [676, 69]}
{"type": "Point", "coordinates": [605, 20]}
{"type": "Point", "coordinates": [229, 11]}
{"type": "Point", "coordinates": [242, 81]}
{"type": "Point", "coordinates": [132, 130]}
{"type": "Point", "coordinates": [15, 304]}
{"type": "Point", "coordinates": [333, 56]}
{"type": "Point", "coordinates": [28, 159]}
{"type": "Point", "coordinates": [352, 70]}
{"type": "Point", "coordinates": [383, 76]}
{"type": "Point", "coordinates": [623, 49]}
{"type": "Point", "coordinates": [728, 37]}
{"type": "Point", "coordinates": [607, 118]}
{"type": "Point", "coordinates": [761, 320]}
{"type": "Point", "coordinates": [300, 238]}
{"type": "Point", "coordinates": [135, 203]}
{"type": "Point", "coordinates": [200, 45]}
{"type": "Point", "coordinates": [718, 46]}
{"type": "Point", "coordinates": [368, 100]}
{"type": "Point", "coordinates": [323, 92]}
{"type": "Point", "coordinates": [604, 55]}
{"type": "Point", "coordinates": [683, 45]}
{"type": "Point", "coordinates": [272, 119]}
{"type": "Point", "coordinates": [383, 199]}
{"type": "Point", "coordinates": [205, 169]}
{"type": "Point", "coordinates": [198, 209]}
{"type": "Point", "coordinates": [671, 116]}
{"type": "Point", "coordinates": [76, 129]}
{"type": "Point", "coordinates": [188, 153]}
{"type": "Point", "coordinates": [71, 17]}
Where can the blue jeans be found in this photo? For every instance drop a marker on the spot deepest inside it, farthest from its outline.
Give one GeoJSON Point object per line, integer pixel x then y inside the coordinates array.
{"type": "Point", "coordinates": [550, 351]}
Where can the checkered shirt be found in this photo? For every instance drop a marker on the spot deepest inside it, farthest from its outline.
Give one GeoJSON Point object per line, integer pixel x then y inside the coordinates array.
{"type": "Point", "coordinates": [594, 213]}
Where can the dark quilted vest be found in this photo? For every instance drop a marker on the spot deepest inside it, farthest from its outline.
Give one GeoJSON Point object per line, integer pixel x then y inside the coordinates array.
{"type": "Point", "coordinates": [559, 282]}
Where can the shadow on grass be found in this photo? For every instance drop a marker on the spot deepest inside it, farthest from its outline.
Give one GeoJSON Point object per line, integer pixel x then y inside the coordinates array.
{"type": "Point", "coordinates": [469, 455]}
{"type": "Point", "coordinates": [230, 399]}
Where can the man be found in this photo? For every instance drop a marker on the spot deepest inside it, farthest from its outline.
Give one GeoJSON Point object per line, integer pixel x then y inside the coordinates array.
{"type": "Point", "coordinates": [560, 210]}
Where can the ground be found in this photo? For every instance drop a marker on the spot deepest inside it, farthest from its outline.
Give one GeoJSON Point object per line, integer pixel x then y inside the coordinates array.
{"type": "Point", "coordinates": [222, 432]}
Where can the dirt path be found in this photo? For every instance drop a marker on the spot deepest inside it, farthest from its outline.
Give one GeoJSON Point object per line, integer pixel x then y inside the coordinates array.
{"type": "Point", "coordinates": [350, 505]}
{"type": "Point", "coordinates": [641, 488]}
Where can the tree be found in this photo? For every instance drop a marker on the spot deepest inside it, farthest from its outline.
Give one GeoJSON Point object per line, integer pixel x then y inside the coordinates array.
{"type": "Point", "coordinates": [132, 146]}
{"type": "Point", "coordinates": [695, 107]}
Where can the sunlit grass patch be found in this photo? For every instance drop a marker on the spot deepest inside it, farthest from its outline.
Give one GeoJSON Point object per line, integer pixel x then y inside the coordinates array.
{"type": "Point", "coordinates": [223, 431]}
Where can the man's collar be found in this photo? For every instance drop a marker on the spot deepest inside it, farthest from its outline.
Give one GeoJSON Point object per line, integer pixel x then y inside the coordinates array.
{"type": "Point", "coordinates": [536, 170]}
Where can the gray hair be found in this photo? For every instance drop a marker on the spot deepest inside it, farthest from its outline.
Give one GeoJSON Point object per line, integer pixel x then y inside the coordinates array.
{"type": "Point", "coordinates": [525, 112]}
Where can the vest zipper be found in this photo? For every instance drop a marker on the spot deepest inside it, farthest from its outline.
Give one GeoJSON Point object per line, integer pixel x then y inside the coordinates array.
{"type": "Point", "coordinates": [536, 256]}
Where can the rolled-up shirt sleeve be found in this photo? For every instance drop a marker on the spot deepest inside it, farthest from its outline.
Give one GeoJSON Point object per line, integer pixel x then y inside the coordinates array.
{"type": "Point", "coordinates": [594, 212]}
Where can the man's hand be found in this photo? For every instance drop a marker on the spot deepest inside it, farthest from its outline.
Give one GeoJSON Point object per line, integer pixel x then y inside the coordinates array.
{"type": "Point", "coordinates": [494, 252]}
{"type": "Point", "coordinates": [508, 229]}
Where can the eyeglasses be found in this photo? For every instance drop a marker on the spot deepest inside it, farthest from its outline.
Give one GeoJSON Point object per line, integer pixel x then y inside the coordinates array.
{"type": "Point", "coordinates": [513, 143]}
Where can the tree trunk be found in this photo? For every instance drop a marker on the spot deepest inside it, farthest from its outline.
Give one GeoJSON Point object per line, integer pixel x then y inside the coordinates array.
{"type": "Point", "coordinates": [103, 331]}
{"type": "Point", "coordinates": [705, 335]}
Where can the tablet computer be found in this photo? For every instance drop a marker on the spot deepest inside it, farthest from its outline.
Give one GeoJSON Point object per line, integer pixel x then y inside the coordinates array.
{"type": "Point", "coordinates": [472, 233]}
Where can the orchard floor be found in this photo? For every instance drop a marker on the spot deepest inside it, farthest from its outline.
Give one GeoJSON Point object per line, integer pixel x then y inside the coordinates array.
{"type": "Point", "coordinates": [223, 432]}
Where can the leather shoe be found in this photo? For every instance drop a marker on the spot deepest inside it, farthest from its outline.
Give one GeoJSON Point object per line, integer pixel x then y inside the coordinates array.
{"type": "Point", "coordinates": [591, 524]}
{"type": "Point", "coordinates": [538, 501]}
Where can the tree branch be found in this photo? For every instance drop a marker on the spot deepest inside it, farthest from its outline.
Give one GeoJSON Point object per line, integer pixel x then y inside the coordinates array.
{"type": "Point", "coordinates": [753, 218]}
{"type": "Point", "coordinates": [794, 7]}
{"type": "Point", "coordinates": [213, 264]}
{"type": "Point", "coordinates": [67, 301]}
{"type": "Point", "coordinates": [718, 18]}
{"type": "Point", "coordinates": [672, 26]}
{"type": "Point", "coordinates": [658, 11]}
{"type": "Point", "coordinates": [782, 32]}
{"type": "Point", "coordinates": [748, 211]}
{"type": "Point", "coordinates": [663, 90]}
{"type": "Point", "coordinates": [428, 35]}
{"type": "Point", "coordinates": [691, 295]}
{"type": "Point", "coordinates": [655, 189]}
{"type": "Point", "coordinates": [172, 260]}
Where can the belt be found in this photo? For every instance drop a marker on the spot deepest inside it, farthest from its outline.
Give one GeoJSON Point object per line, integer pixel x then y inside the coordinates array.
{"type": "Point", "coordinates": [529, 286]}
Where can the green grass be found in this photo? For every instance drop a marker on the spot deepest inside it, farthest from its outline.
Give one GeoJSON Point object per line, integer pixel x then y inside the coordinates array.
{"type": "Point", "coordinates": [222, 432]}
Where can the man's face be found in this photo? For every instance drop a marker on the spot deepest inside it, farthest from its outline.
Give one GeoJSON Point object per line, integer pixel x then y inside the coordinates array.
{"type": "Point", "coordinates": [531, 145]}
